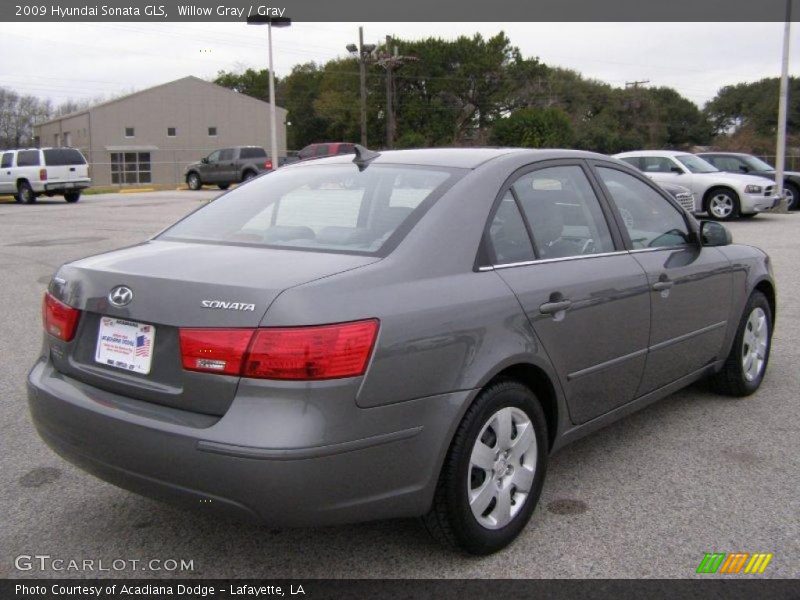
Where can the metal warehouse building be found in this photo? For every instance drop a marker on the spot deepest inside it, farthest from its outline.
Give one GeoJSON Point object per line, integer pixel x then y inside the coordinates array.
{"type": "Point", "coordinates": [149, 137]}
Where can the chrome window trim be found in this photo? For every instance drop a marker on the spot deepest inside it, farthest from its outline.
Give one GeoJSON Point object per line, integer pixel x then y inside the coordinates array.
{"type": "Point", "coordinates": [528, 263]}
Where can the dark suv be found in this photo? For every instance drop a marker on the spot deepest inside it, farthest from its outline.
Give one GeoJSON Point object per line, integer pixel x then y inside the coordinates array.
{"type": "Point", "coordinates": [228, 165]}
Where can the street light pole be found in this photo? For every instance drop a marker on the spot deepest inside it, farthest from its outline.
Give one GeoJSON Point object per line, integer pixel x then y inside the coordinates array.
{"type": "Point", "coordinates": [272, 119]}
{"type": "Point", "coordinates": [362, 52]}
{"type": "Point", "coordinates": [273, 126]}
{"type": "Point", "coordinates": [780, 151]}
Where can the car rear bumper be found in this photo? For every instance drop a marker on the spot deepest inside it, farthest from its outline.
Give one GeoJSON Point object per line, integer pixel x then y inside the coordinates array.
{"type": "Point", "coordinates": [755, 203]}
{"type": "Point", "coordinates": [194, 460]}
{"type": "Point", "coordinates": [57, 186]}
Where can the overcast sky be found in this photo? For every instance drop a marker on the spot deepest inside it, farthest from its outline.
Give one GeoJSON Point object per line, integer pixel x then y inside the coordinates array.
{"type": "Point", "coordinates": [87, 60]}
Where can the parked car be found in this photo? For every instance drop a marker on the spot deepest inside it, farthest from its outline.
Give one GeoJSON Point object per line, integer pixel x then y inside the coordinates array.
{"type": "Point", "coordinates": [325, 149]}
{"type": "Point", "coordinates": [734, 162]}
{"type": "Point", "coordinates": [682, 195]}
{"type": "Point", "coordinates": [410, 333]}
{"type": "Point", "coordinates": [226, 166]}
{"type": "Point", "coordinates": [722, 195]}
{"type": "Point", "coordinates": [31, 172]}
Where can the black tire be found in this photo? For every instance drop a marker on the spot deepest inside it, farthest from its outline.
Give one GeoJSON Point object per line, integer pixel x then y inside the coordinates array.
{"type": "Point", "coordinates": [25, 192]}
{"type": "Point", "coordinates": [248, 175]}
{"type": "Point", "coordinates": [714, 197]}
{"type": "Point", "coordinates": [223, 186]}
{"type": "Point", "coordinates": [732, 379]}
{"type": "Point", "coordinates": [72, 196]}
{"type": "Point", "coordinates": [794, 190]}
{"type": "Point", "coordinates": [450, 520]}
{"type": "Point", "coordinates": [193, 181]}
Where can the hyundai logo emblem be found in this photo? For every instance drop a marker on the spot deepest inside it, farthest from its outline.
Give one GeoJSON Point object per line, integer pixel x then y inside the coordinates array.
{"type": "Point", "coordinates": [120, 296]}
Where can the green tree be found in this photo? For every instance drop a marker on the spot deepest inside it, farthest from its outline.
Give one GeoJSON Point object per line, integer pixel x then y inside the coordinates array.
{"type": "Point", "coordinates": [534, 128]}
{"type": "Point", "coordinates": [754, 106]}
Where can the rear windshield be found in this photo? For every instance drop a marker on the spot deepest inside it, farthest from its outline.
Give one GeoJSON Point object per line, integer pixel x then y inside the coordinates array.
{"type": "Point", "coordinates": [252, 153]}
{"type": "Point", "coordinates": [58, 157]}
{"type": "Point", "coordinates": [320, 207]}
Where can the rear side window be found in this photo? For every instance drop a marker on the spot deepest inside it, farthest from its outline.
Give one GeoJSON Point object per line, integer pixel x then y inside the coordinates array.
{"type": "Point", "coordinates": [650, 219]}
{"type": "Point", "coordinates": [8, 158]}
{"type": "Point", "coordinates": [28, 158]}
{"type": "Point", "coordinates": [508, 235]}
{"type": "Point", "coordinates": [655, 164]}
{"type": "Point", "coordinates": [564, 213]}
{"type": "Point", "coordinates": [59, 157]}
{"type": "Point", "coordinates": [634, 161]}
{"type": "Point", "coordinates": [331, 208]}
{"type": "Point", "coordinates": [345, 149]}
{"type": "Point", "coordinates": [252, 153]}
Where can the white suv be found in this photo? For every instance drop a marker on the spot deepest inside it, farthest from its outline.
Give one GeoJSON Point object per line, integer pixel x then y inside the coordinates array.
{"type": "Point", "coordinates": [721, 195]}
{"type": "Point", "coordinates": [31, 172]}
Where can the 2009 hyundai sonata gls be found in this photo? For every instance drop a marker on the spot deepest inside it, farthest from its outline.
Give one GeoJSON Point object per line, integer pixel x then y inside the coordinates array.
{"type": "Point", "coordinates": [404, 334]}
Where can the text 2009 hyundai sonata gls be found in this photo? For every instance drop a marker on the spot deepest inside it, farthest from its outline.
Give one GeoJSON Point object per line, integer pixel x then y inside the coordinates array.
{"type": "Point", "coordinates": [404, 334]}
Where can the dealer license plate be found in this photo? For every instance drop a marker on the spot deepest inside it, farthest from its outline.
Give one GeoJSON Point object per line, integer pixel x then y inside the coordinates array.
{"type": "Point", "coordinates": [126, 345]}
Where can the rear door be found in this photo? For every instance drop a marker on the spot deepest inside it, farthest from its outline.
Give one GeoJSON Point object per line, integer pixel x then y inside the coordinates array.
{"type": "Point", "coordinates": [690, 286]}
{"type": "Point", "coordinates": [557, 248]}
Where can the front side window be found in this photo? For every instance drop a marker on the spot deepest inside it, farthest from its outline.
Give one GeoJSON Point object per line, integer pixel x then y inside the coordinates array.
{"type": "Point", "coordinates": [321, 150]}
{"type": "Point", "coordinates": [696, 164]}
{"type": "Point", "coordinates": [28, 158]}
{"type": "Point", "coordinates": [650, 219]}
{"type": "Point", "coordinates": [226, 154]}
{"type": "Point", "coordinates": [214, 156]}
{"type": "Point", "coordinates": [329, 208]}
{"type": "Point", "coordinates": [563, 212]}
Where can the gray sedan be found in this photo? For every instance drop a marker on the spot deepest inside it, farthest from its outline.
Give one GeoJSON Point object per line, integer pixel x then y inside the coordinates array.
{"type": "Point", "coordinates": [403, 334]}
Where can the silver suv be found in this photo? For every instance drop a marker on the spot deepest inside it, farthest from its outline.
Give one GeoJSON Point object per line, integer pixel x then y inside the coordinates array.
{"type": "Point", "coordinates": [31, 172]}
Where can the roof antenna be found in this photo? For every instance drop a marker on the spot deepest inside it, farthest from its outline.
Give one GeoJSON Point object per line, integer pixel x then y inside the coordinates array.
{"type": "Point", "coordinates": [364, 156]}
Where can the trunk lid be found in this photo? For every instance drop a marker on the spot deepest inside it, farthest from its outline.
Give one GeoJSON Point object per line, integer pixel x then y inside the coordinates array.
{"type": "Point", "coordinates": [178, 284]}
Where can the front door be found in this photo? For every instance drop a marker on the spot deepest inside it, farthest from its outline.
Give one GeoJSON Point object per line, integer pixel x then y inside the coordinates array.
{"type": "Point", "coordinates": [211, 168]}
{"type": "Point", "coordinates": [6, 178]}
{"type": "Point", "coordinates": [691, 286]}
{"type": "Point", "coordinates": [586, 298]}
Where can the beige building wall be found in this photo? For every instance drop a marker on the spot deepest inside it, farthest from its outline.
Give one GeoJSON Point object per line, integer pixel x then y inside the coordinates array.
{"type": "Point", "coordinates": [190, 105]}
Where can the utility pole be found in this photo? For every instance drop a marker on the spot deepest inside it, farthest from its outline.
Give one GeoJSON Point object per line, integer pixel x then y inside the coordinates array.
{"type": "Point", "coordinates": [391, 60]}
{"type": "Point", "coordinates": [363, 52]}
{"type": "Point", "coordinates": [780, 151]}
{"type": "Point", "coordinates": [635, 84]}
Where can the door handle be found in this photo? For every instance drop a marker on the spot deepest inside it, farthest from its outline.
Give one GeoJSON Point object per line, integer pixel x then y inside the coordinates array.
{"type": "Point", "coordinates": [550, 308]}
{"type": "Point", "coordinates": [662, 284]}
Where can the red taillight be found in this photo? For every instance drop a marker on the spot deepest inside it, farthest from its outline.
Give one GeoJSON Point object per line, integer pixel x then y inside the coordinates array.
{"type": "Point", "coordinates": [323, 352]}
{"type": "Point", "coordinates": [268, 165]}
{"type": "Point", "coordinates": [299, 353]}
{"type": "Point", "coordinates": [42, 174]}
{"type": "Point", "coordinates": [59, 319]}
{"type": "Point", "coordinates": [214, 350]}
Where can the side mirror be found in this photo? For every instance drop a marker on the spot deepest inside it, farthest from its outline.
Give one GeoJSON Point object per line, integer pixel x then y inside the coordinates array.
{"type": "Point", "coordinates": [676, 170]}
{"type": "Point", "coordinates": [714, 234]}
{"type": "Point", "coordinates": [204, 160]}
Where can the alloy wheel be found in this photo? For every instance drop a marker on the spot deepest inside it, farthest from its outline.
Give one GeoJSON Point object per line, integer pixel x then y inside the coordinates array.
{"type": "Point", "coordinates": [754, 344]}
{"type": "Point", "coordinates": [721, 206]}
{"type": "Point", "coordinates": [502, 468]}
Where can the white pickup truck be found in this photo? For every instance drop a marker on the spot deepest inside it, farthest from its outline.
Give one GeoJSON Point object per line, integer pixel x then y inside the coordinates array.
{"type": "Point", "coordinates": [31, 172]}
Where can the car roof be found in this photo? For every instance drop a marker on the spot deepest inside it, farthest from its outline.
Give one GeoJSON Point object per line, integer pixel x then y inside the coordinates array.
{"type": "Point", "coordinates": [462, 158]}
{"type": "Point", "coordinates": [652, 153]}
{"type": "Point", "coordinates": [723, 153]}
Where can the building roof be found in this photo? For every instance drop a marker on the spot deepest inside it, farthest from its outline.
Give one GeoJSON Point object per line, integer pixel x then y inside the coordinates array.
{"type": "Point", "coordinates": [146, 90]}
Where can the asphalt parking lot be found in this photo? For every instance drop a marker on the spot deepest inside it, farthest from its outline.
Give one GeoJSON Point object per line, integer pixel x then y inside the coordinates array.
{"type": "Point", "coordinates": [645, 497]}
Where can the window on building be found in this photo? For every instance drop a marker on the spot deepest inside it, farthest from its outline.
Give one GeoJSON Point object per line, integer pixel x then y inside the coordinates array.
{"type": "Point", "coordinates": [129, 132]}
{"type": "Point", "coordinates": [130, 167]}
{"type": "Point", "coordinates": [56, 140]}
{"type": "Point", "coordinates": [212, 131]}
{"type": "Point", "coordinates": [67, 139]}
{"type": "Point", "coordinates": [171, 132]}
